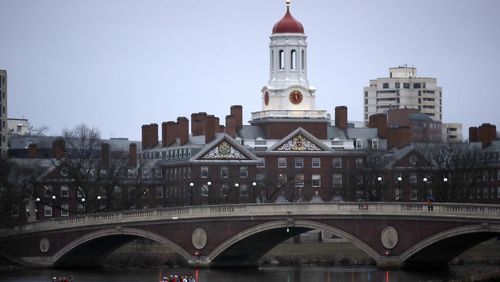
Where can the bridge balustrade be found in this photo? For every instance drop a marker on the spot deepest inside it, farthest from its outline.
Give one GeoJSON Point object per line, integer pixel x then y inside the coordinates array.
{"type": "Point", "coordinates": [289, 209]}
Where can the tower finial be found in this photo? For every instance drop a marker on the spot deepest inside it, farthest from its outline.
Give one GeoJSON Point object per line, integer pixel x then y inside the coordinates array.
{"type": "Point", "coordinates": [287, 3]}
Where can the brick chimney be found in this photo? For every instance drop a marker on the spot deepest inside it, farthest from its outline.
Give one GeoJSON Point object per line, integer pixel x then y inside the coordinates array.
{"type": "Point", "coordinates": [59, 149]}
{"type": "Point", "coordinates": [221, 129]}
{"type": "Point", "coordinates": [379, 121]}
{"type": "Point", "coordinates": [132, 155]}
{"type": "Point", "coordinates": [153, 135]}
{"type": "Point", "coordinates": [209, 129]}
{"type": "Point", "coordinates": [230, 126]}
{"type": "Point", "coordinates": [105, 154]}
{"type": "Point", "coordinates": [172, 132]}
{"type": "Point", "coordinates": [164, 134]}
{"type": "Point", "coordinates": [145, 136]}
{"type": "Point", "coordinates": [198, 123]}
{"type": "Point", "coordinates": [341, 117]}
{"type": "Point", "coordinates": [473, 134]}
{"type": "Point", "coordinates": [32, 151]}
{"type": "Point", "coordinates": [183, 127]}
{"type": "Point", "coordinates": [237, 113]}
{"type": "Point", "coordinates": [487, 132]}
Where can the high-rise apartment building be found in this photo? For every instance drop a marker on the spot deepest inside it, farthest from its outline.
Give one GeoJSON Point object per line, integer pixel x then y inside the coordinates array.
{"type": "Point", "coordinates": [3, 114]}
{"type": "Point", "coordinates": [403, 89]}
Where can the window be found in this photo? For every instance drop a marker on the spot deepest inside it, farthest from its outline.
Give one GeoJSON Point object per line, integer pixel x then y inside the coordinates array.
{"type": "Point", "coordinates": [282, 179]}
{"type": "Point", "coordinates": [337, 162]}
{"type": "Point", "coordinates": [316, 162]}
{"type": "Point", "coordinates": [485, 176]}
{"type": "Point", "coordinates": [64, 191]}
{"type": "Point", "coordinates": [498, 192]}
{"type": "Point", "coordinates": [417, 85]}
{"type": "Point", "coordinates": [281, 162]}
{"type": "Point", "coordinates": [406, 85]}
{"type": "Point", "coordinates": [158, 192]}
{"type": "Point", "coordinates": [243, 172]}
{"type": "Point", "coordinates": [316, 180]}
{"type": "Point", "coordinates": [299, 162]}
{"type": "Point", "coordinates": [47, 211]}
{"type": "Point", "coordinates": [375, 144]}
{"type": "Point", "coordinates": [243, 190]}
{"type": "Point", "coordinates": [261, 163]}
{"type": "Point", "coordinates": [299, 180]}
{"type": "Point", "coordinates": [485, 193]}
{"type": "Point", "coordinates": [204, 171]}
{"type": "Point", "coordinates": [397, 85]}
{"type": "Point", "coordinates": [281, 59]}
{"type": "Point", "coordinates": [224, 172]}
{"type": "Point", "coordinates": [303, 60]}
{"type": "Point", "coordinates": [293, 57]}
{"type": "Point", "coordinates": [498, 174]}
{"type": "Point", "coordinates": [14, 212]}
{"type": "Point", "coordinates": [413, 178]}
{"type": "Point", "coordinates": [337, 180]}
{"type": "Point", "coordinates": [359, 144]}
{"type": "Point", "coordinates": [65, 210]}
{"type": "Point", "coordinates": [414, 194]}
{"type": "Point", "coordinates": [47, 190]}
{"type": "Point", "coordinates": [385, 85]}
{"type": "Point", "coordinates": [359, 162]}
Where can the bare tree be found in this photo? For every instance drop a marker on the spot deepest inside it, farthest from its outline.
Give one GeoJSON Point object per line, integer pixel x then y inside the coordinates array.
{"type": "Point", "coordinates": [37, 130]}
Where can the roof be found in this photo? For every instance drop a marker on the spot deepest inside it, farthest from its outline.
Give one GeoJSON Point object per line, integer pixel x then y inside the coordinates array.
{"type": "Point", "coordinates": [288, 24]}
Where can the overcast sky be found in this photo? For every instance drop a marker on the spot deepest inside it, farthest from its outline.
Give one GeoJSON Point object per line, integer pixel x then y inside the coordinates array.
{"type": "Point", "coordinates": [118, 64]}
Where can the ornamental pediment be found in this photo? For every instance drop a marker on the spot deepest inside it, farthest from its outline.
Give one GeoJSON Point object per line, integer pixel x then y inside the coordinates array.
{"type": "Point", "coordinates": [224, 151]}
{"type": "Point", "coordinates": [300, 141]}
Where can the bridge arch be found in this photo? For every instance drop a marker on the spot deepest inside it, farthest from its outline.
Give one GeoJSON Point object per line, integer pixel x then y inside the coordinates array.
{"type": "Point", "coordinates": [437, 250]}
{"type": "Point", "coordinates": [120, 236]}
{"type": "Point", "coordinates": [297, 227]}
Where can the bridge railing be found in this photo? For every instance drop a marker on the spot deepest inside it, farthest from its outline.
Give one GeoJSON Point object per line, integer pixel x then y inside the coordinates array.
{"type": "Point", "coordinates": [478, 211]}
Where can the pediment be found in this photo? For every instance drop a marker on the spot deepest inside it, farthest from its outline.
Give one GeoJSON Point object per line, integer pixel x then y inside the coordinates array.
{"type": "Point", "coordinates": [300, 141]}
{"type": "Point", "coordinates": [225, 148]}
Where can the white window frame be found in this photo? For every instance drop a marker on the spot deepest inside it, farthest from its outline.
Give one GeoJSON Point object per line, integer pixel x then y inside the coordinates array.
{"type": "Point", "coordinates": [243, 172]}
{"type": "Point", "coordinates": [159, 192]}
{"type": "Point", "coordinates": [316, 180]}
{"type": "Point", "coordinates": [337, 180]}
{"type": "Point", "coordinates": [204, 172]}
{"type": "Point", "coordinates": [316, 163]}
{"type": "Point", "coordinates": [64, 209]}
{"type": "Point", "coordinates": [224, 172]}
{"type": "Point", "coordinates": [47, 211]}
{"type": "Point", "coordinates": [337, 162]}
{"type": "Point", "coordinates": [64, 188]}
{"type": "Point", "coordinates": [281, 162]}
{"type": "Point", "coordinates": [299, 162]}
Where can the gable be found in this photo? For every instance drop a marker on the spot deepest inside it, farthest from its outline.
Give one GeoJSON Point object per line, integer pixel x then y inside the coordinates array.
{"type": "Point", "coordinates": [300, 141]}
{"type": "Point", "coordinates": [224, 151]}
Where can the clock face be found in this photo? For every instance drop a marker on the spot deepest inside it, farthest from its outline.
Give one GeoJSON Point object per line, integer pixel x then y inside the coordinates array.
{"type": "Point", "coordinates": [295, 97]}
{"type": "Point", "coordinates": [266, 98]}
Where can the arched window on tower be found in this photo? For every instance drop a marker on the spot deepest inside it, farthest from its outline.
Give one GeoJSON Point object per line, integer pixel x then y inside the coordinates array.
{"type": "Point", "coordinates": [272, 59]}
{"type": "Point", "coordinates": [303, 59]}
{"type": "Point", "coordinates": [293, 57]}
{"type": "Point", "coordinates": [282, 59]}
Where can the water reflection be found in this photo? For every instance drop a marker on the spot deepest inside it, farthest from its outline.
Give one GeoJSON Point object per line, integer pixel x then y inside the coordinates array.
{"type": "Point", "coordinates": [275, 274]}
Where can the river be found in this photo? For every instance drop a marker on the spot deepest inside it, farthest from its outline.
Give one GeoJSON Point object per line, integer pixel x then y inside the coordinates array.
{"type": "Point", "coordinates": [274, 274]}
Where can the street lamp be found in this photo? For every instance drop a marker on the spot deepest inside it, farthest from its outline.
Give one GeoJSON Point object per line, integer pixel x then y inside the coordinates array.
{"type": "Point", "coordinates": [209, 184]}
{"type": "Point", "coordinates": [379, 192]}
{"type": "Point", "coordinates": [445, 180]}
{"type": "Point", "coordinates": [254, 187]}
{"type": "Point", "coordinates": [191, 187]}
{"type": "Point", "coordinates": [83, 204]}
{"type": "Point", "coordinates": [400, 195]}
{"type": "Point", "coordinates": [237, 186]}
{"type": "Point", "coordinates": [98, 203]}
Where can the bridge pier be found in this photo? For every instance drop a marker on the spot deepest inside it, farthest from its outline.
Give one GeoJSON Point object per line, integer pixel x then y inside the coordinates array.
{"type": "Point", "coordinates": [389, 263]}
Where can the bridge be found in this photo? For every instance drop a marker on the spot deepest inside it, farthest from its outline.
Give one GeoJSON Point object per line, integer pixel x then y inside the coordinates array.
{"type": "Point", "coordinates": [395, 235]}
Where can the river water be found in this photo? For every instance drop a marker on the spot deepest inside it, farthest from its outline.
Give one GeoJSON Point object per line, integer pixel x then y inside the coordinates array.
{"type": "Point", "coordinates": [274, 274]}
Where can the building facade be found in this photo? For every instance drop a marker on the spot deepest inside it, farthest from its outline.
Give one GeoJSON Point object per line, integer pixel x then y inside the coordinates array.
{"type": "Point", "coordinates": [3, 114]}
{"type": "Point", "coordinates": [403, 89]}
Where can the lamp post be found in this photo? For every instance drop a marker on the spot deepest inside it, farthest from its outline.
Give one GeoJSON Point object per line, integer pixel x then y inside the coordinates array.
{"type": "Point", "coordinates": [425, 185]}
{"type": "Point", "coordinates": [191, 187]}
{"type": "Point", "coordinates": [83, 204]}
{"type": "Point", "coordinates": [379, 192]}
{"type": "Point", "coordinates": [209, 184]}
{"type": "Point", "coordinates": [98, 203]}
{"type": "Point", "coordinates": [445, 181]}
{"type": "Point", "coordinates": [237, 187]}
{"type": "Point", "coordinates": [400, 195]}
{"type": "Point", "coordinates": [254, 187]}
{"type": "Point", "coordinates": [37, 206]}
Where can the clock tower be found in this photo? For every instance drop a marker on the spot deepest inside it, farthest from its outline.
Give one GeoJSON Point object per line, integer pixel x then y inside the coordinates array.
{"type": "Point", "coordinates": [288, 94]}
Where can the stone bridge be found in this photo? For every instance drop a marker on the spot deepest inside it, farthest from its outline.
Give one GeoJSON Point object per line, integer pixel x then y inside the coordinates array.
{"type": "Point", "coordinates": [395, 235]}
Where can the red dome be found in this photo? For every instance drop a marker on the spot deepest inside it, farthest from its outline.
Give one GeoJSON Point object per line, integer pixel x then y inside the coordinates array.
{"type": "Point", "coordinates": [288, 24]}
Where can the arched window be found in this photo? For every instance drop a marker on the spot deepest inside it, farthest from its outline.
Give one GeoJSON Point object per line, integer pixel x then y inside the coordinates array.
{"type": "Point", "coordinates": [293, 57]}
{"type": "Point", "coordinates": [303, 59]}
{"type": "Point", "coordinates": [272, 59]}
{"type": "Point", "coordinates": [282, 59]}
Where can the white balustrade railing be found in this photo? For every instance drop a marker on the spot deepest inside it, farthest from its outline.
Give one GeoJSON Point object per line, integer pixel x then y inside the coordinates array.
{"type": "Point", "coordinates": [466, 211]}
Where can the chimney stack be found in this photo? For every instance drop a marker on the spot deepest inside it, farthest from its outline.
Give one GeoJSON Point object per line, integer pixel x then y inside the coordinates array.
{"type": "Point", "coordinates": [172, 132]}
{"type": "Point", "coordinates": [341, 117]}
{"type": "Point", "coordinates": [145, 136]}
{"type": "Point", "coordinates": [105, 155]}
{"type": "Point", "coordinates": [59, 148]}
{"type": "Point", "coordinates": [487, 132]}
{"type": "Point", "coordinates": [379, 121]}
{"type": "Point", "coordinates": [230, 126]}
{"type": "Point", "coordinates": [209, 129]}
{"type": "Point", "coordinates": [132, 152]}
{"type": "Point", "coordinates": [153, 135]}
{"type": "Point", "coordinates": [198, 123]}
{"type": "Point", "coordinates": [32, 151]}
{"type": "Point", "coordinates": [237, 113]}
{"type": "Point", "coordinates": [473, 134]}
{"type": "Point", "coordinates": [183, 130]}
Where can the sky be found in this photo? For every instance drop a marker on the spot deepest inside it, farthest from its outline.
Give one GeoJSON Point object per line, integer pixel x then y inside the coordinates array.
{"type": "Point", "coordinates": [119, 64]}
